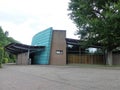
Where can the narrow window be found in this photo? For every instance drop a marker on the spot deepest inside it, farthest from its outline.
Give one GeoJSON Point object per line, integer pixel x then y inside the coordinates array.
{"type": "Point", "coordinates": [59, 52]}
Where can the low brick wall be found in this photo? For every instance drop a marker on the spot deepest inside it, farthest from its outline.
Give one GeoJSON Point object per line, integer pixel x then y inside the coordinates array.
{"type": "Point", "coordinates": [116, 59]}
{"type": "Point", "coordinates": [22, 59]}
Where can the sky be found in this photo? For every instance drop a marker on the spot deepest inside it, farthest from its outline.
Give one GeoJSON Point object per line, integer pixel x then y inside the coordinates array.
{"type": "Point", "coordinates": [24, 18]}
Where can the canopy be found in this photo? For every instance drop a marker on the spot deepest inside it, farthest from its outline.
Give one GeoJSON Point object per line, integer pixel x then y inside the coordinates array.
{"type": "Point", "coordinates": [17, 48]}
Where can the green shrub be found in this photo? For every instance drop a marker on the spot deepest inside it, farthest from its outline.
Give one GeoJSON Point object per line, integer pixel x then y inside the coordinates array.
{"type": "Point", "coordinates": [1, 56]}
{"type": "Point", "coordinates": [11, 60]}
{"type": "Point", "coordinates": [5, 60]}
{"type": "Point", "coordinates": [0, 65]}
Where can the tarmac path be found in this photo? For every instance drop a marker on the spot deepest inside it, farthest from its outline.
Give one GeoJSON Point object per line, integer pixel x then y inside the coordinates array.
{"type": "Point", "coordinates": [51, 77]}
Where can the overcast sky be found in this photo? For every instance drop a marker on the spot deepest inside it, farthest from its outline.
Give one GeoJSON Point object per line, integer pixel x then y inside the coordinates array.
{"type": "Point", "coordinates": [24, 18]}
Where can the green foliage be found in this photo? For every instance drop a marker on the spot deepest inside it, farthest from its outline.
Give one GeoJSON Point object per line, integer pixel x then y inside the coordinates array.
{"type": "Point", "coordinates": [98, 21]}
{"type": "Point", "coordinates": [1, 56]}
{"type": "Point", "coordinates": [4, 40]}
{"type": "Point", "coordinates": [12, 58]}
{"type": "Point", "coordinates": [5, 60]}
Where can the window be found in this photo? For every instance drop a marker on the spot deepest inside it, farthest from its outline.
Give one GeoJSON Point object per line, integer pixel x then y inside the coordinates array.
{"type": "Point", "coordinates": [59, 52]}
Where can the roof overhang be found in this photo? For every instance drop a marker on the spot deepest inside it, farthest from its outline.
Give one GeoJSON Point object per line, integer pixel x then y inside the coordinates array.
{"type": "Point", "coordinates": [17, 48]}
{"type": "Point", "coordinates": [72, 41]}
{"type": "Point", "coordinates": [79, 43]}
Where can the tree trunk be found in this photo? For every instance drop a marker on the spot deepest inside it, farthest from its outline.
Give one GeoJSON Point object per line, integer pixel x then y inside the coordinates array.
{"type": "Point", "coordinates": [109, 58]}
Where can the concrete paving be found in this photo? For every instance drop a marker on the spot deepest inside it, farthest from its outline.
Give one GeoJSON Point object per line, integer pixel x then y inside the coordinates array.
{"type": "Point", "coordinates": [51, 77]}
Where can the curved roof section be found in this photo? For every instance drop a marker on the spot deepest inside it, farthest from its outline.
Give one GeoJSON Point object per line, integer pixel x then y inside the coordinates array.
{"type": "Point", "coordinates": [17, 48]}
{"type": "Point", "coordinates": [37, 34]}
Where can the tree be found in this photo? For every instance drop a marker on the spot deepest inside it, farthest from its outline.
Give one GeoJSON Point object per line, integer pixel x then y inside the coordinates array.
{"type": "Point", "coordinates": [98, 22]}
{"type": "Point", "coordinates": [4, 40]}
{"type": "Point", "coordinates": [1, 56]}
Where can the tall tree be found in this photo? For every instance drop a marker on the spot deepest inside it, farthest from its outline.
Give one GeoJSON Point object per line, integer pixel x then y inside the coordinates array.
{"type": "Point", "coordinates": [98, 22]}
{"type": "Point", "coordinates": [4, 40]}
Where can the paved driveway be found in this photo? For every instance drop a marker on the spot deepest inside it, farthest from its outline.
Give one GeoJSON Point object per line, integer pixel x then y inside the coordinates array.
{"type": "Point", "coordinates": [48, 77]}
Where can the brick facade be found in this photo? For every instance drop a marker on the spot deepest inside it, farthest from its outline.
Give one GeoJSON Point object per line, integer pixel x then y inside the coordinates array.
{"type": "Point", "coordinates": [58, 48]}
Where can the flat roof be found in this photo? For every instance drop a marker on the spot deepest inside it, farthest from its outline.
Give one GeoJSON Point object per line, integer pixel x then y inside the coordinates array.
{"type": "Point", "coordinates": [79, 43]}
{"type": "Point", "coordinates": [72, 41]}
{"type": "Point", "coordinates": [17, 48]}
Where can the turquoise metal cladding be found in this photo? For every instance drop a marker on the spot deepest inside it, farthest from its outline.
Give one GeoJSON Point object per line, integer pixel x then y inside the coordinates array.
{"type": "Point", "coordinates": [43, 39]}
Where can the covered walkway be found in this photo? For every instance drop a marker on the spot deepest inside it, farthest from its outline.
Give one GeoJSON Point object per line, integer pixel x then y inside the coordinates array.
{"type": "Point", "coordinates": [23, 52]}
{"type": "Point", "coordinates": [17, 48]}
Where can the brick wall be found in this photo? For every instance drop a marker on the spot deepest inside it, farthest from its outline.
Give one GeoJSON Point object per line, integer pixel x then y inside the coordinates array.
{"type": "Point", "coordinates": [58, 48]}
{"type": "Point", "coordinates": [22, 59]}
{"type": "Point", "coordinates": [116, 59]}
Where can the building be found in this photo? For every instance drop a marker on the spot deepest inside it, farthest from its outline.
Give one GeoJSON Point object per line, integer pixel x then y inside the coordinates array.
{"type": "Point", "coordinates": [55, 47]}
{"type": "Point", "coordinates": [52, 47]}
{"type": "Point", "coordinates": [48, 47]}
